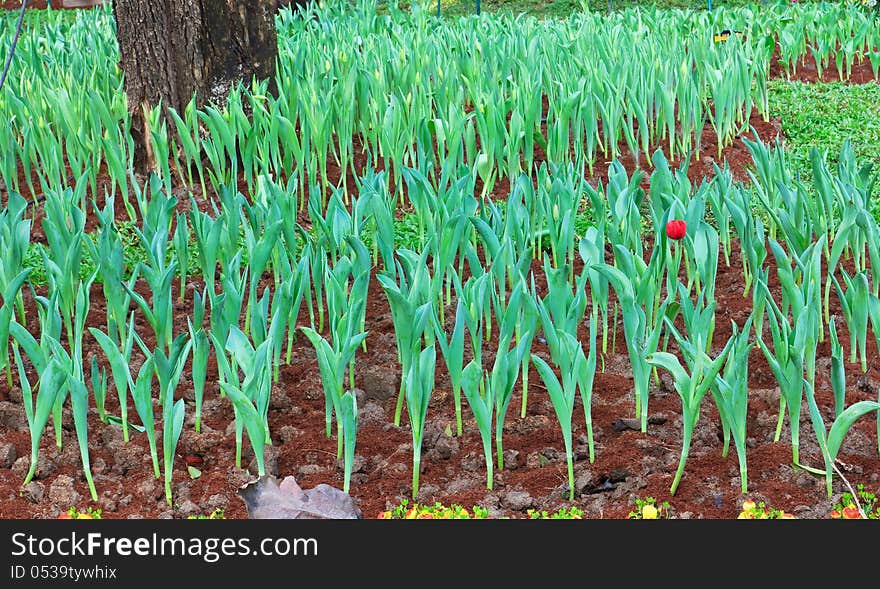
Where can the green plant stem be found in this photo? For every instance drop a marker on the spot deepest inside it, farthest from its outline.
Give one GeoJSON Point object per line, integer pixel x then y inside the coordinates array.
{"type": "Point", "coordinates": [525, 385]}
{"type": "Point", "coordinates": [743, 473]}
{"type": "Point", "coordinates": [605, 332]}
{"type": "Point", "coordinates": [417, 465]}
{"type": "Point", "coordinates": [487, 451]}
{"type": "Point", "coordinates": [339, 438]}
{"type": "Point", "coordinates": [456, 393]}
{"type": "Point", "coordinates": [614, 328]}
{"type": "Point", "coordinates": [570, 462]}
{"type": "Point", "coordinates": [778, 432]}
{"type": "Point", "coordinates": [685, 448]}
{"type": "Point", "coordinates": [498, 448]}
{"type": "Point", "coordinates": [399, 407]}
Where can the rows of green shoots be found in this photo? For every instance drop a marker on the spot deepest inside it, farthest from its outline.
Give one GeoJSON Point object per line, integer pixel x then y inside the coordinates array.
{"type": "Point", "coordinates": [468, 294]}
{"type": "Point", "coordinates": [430, 115]}
{"type": "Point", "coordinates": [360, 89]}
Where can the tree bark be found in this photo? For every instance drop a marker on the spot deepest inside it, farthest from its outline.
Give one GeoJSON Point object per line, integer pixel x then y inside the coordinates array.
{"type": "Point", "coordinates": [173, 50]}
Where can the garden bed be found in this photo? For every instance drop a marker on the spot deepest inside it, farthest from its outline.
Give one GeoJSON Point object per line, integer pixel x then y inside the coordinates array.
{"type": "Point", "coordinates": [628, 465]}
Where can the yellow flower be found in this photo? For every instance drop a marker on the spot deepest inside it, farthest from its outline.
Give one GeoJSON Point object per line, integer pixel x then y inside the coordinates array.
{"type": "Point", "coordinates": [748, 506]}
{"type": "Point", "coordinates": [744, 515]}
{"type": "Point", "coordinates": [649, 512]}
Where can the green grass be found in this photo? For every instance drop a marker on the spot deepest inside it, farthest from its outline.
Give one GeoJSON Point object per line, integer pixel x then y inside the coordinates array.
{"type": "Point", "coordinates": [823, 116]}
{"type": "Point", "coordinates": [562, 8]}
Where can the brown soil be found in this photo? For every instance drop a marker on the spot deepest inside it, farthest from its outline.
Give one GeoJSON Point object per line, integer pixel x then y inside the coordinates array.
{"type": "Point", "coordinates": [40, 5]}
{"type": "Point", "coordinates": [16, 4]}
{"type": "Point", "coordinates": [805, 70]}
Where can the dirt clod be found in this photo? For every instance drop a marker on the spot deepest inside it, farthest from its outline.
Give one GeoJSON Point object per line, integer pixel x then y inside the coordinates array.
{"type": "Point", "coordinates": [128, 457]}
{"type": "Point", "coordinates": [460, 485]}
{"type": "Point", "coordinates": [447, 447]}
{"type": "Point", "coordinates": [584, 481]}
{"type": "Point", "coordinates": [380, 383]}
{"type": "Point", "coordinates": [371, 413]}
{"type": "Point", "coordinates": [12, 416]}
{"type": "Point", "coordinates": [288, 433]}
{"type": "Point", "coordinates": [310, 469]}
{"type": "Point", "coordinates": [45, 466]}
{"type": "Point", "coordinates": [34, 491]}
{"type": "Point", "coordinates": [7, 455]}
{"type": "Point", "coordinates": [279, 401]}
{"type": "Point", "coordinates": [358, 464]}
{"type": "Point", "coordinates": [187, 509]}
{"type": "Point", "coordinates": [627, 423]}
{"type": "Point", "coordinates": [518, 500]}
{"type": "Point", "coordinates": [20, 466]}
{"type": "Point", "coordinates": [215, 502]}
{"type": "Point", "coordinates": [63, 493]}
{"type": "Point", "coordinates": [270, 461]}
{"type": "Point", "coordinates": [201, 443]}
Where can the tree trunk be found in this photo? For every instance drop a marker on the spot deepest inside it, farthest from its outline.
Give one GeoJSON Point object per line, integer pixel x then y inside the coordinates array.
{"type": "Point", "coordinates": [172, 50]}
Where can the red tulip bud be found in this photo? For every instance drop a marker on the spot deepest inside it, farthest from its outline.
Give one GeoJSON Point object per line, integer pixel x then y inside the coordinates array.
{"type": "Point", "coordinates": [676, 229]}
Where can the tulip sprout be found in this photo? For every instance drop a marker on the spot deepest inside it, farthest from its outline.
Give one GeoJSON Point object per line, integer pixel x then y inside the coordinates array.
{"type": "Point", "coordinates": [691, 387]}
{"type": "Point", "coordinates": [419, 386]}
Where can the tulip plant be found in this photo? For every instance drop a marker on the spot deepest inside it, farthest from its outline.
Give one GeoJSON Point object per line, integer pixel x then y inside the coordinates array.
{"type": "Point", "coordinates": [419, 386]}
{"type": "Point", "coordinates": [52, 381]}
{"type": "Point", "coordinates": [831, 439]}
{"type": "Point", "coordinates": [452, 350]}
{"type": "Point", "coordinates": [411, 305]}
{"type": "Point", "coordinates": [490, 391]}
{"type": "Point", "coordinates": [691, 385]}
{"type": "Point", "coordinates": [636, 285]}
{"type": "Point", "coordinates": [730, 388]}
{"type": "Point", "coordinates": [791, 346]}
{"type": "Point", "coordinates": [168, 368]}
{"type": "Point", "coordinates": [577, 373]}
{"type": "Point", "coordinates": [508, 362]}
{"type": "Point", "coordinates": [119, 367]}
{"type": "Point", "coordinates": [347, 284]}
{"type": "Point", "coordinates": [854, 305]}
{"type": "Point", "coordinates": [201, 347]}
{"type": "Point", "coordinates": [591, 248]}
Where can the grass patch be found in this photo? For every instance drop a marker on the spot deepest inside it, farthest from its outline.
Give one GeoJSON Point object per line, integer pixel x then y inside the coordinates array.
{"type": "Point", "coordinates": [562, 8]}
{"type": "Point", "coordinates": [824, 116]}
